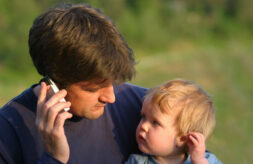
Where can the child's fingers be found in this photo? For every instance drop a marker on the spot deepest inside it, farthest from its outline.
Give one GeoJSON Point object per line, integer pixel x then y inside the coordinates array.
{"type": "Point", "coordinates": [197, 140]}
{"type": "Point", "coordinates": [197, 136]}
{"type": "Point", "coordinates": [193, 140]}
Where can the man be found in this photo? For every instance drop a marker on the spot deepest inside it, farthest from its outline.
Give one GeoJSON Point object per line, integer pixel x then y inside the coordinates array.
{"type": "Point", "coordinates": [86, 56]}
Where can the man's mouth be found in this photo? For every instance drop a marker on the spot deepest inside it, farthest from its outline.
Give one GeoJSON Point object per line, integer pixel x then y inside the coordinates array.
{"type": "Point", "coordinates": [100, 105]}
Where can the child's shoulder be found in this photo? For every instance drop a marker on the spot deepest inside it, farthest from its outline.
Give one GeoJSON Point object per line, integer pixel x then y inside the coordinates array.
{"type": "Point", "coordinates": [140, 159]}
{"type": "Point", "coordinates": [212, 159]}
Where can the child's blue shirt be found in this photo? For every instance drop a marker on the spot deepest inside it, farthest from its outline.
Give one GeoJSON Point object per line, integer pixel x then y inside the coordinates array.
{"type": "Point", "coordinates": [148, 159]}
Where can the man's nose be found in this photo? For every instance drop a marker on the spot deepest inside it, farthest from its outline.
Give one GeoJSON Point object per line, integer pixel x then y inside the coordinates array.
{"type": "Point", "coordinates": [107, 94]}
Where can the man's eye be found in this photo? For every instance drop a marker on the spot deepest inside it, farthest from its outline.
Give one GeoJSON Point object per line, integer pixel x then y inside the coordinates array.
{"type": "Point", "coordinates": [92, 90]}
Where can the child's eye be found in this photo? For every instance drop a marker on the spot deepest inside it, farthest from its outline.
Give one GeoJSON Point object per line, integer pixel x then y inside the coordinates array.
{"type": "Point", "coordinates": [155, 123]}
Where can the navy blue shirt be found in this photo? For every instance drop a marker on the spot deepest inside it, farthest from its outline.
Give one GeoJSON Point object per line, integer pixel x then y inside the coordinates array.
{"type": "Point", "coordinates": [108, 139]}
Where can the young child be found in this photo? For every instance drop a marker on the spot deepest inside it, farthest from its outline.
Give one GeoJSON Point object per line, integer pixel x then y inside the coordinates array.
{"type": "Point", "coordinates": [177, 118]}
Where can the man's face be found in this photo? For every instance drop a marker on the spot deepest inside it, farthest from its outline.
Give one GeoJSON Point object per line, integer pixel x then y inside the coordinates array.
{"type": "Point", "coordinates": [89, 99]}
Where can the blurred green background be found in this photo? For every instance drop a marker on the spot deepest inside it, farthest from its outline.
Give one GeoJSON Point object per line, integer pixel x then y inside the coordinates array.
{"type": "Point", "coordinates": [206, 41]}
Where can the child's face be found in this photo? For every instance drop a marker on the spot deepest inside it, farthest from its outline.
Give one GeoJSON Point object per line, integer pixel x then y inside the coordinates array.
{"type": "Point", "coordinates": [156, 132]}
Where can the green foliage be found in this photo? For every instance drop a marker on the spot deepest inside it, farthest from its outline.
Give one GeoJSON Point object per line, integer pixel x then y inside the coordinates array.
{"type": "Point", "coordinates": [209, 42]}
{"type": "Point", "coordinates": [16, 19]}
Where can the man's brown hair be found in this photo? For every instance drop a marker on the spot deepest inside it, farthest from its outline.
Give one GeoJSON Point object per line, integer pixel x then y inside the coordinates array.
{"type": "Point", "coordinates": [72, 43]}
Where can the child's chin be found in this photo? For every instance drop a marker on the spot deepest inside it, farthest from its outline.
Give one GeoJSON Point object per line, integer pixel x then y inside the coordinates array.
{"type": "Point", "coordinates": [143, 149]}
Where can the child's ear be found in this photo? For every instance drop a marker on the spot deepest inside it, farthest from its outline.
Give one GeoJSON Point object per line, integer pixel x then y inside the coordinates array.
{"type": "Point", "coordinates": [181, 140]}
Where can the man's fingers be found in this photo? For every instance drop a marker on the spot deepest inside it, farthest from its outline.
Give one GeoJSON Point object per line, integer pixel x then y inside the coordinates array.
{"type": "Point", "coordinates": [50, 103]}
{"type": "Point", "coordinates": [41, 98]}
{"type": "Point", "coordinates": [55, 98]}
{"type": "Point", "coordinates": [40, 103]}
{"type": "Point", "coordinates": [47, 110]}
{"type": "Point", "coordinates": [60, 120]}
{"type": "Point", "coordinates": [53, 112]}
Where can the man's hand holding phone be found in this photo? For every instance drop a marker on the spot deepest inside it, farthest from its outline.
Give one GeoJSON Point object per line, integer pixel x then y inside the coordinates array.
{"type": "Point", "coordinates": [54, 89]}
{"type": "Point", "coordinates": [50, 120]}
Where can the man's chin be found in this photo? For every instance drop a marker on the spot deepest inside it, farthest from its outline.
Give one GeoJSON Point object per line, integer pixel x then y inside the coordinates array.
{"type": "Point", "coordinates": [95, 114]}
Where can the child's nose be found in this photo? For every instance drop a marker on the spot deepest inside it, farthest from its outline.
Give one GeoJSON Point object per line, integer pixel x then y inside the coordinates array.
{"type": "Point", "coordinates": [144, 126]}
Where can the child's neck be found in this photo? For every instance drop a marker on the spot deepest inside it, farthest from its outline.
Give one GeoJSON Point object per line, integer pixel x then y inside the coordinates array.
{"type": "Point", "coordinates": [175, 159]}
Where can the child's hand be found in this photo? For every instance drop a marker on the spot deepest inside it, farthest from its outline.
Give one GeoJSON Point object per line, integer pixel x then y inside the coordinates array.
{"type": "Point", "coordinates": [197, 147]}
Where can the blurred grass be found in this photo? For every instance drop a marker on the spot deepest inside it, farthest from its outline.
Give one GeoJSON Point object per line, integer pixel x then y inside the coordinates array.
{"type": "Point", "coordinates": [13, 83]}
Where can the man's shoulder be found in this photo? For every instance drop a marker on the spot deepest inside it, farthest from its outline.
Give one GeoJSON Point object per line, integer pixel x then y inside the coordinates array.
{"type": "Point", "coordinates": [17, 119]}
{"type": "Point", "coordinates": [129, 94]}
{"type": "Point", "coordinates": [26, 101]}
{"type": "Point", "coordinates": [11, 124]}
{"type": "Point", "coordinates": [127, 88]}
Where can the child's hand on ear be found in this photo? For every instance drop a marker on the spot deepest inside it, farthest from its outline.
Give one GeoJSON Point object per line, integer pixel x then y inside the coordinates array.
{"type": "Point", "coordinates": [197, 148]}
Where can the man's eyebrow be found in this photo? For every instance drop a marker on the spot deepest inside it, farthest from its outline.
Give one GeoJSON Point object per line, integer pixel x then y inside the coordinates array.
{"type": "Point", "coordinates": [105, 83]}
{"type": "Point", "coordinates": [90, 86]}
{"type": "Point", "coordinates": [95, 85]}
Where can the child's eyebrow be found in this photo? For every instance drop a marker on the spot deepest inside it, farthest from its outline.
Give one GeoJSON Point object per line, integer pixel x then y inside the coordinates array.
{"type": "Point", "coordinates": [142, 114]}
{"type": "Point", "coordinates": [156, 118]}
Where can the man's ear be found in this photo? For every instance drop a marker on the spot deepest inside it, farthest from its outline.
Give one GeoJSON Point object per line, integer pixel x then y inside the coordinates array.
{"type": "Point", "coordinates": [181, 140]}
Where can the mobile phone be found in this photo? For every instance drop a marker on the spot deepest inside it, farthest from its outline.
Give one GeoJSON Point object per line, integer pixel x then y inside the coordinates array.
{"type": "Point", "coordinates": [53, 89]}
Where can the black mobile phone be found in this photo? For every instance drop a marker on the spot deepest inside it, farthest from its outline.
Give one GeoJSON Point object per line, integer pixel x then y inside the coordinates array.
{"type": "Point", "coordinates": [53, 89]}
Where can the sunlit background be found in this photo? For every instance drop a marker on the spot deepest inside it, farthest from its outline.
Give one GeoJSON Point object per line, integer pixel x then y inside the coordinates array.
{"type": "Point", "coordinates": [206, 41]}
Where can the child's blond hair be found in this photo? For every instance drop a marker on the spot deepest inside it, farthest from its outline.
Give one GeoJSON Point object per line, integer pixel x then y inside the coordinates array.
{"type": "Point", "coordinates": [194, 107]}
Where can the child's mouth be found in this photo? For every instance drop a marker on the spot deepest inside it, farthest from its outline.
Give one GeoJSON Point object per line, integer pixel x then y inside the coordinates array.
{"type": "Point", "coordinates": [141, 138]}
